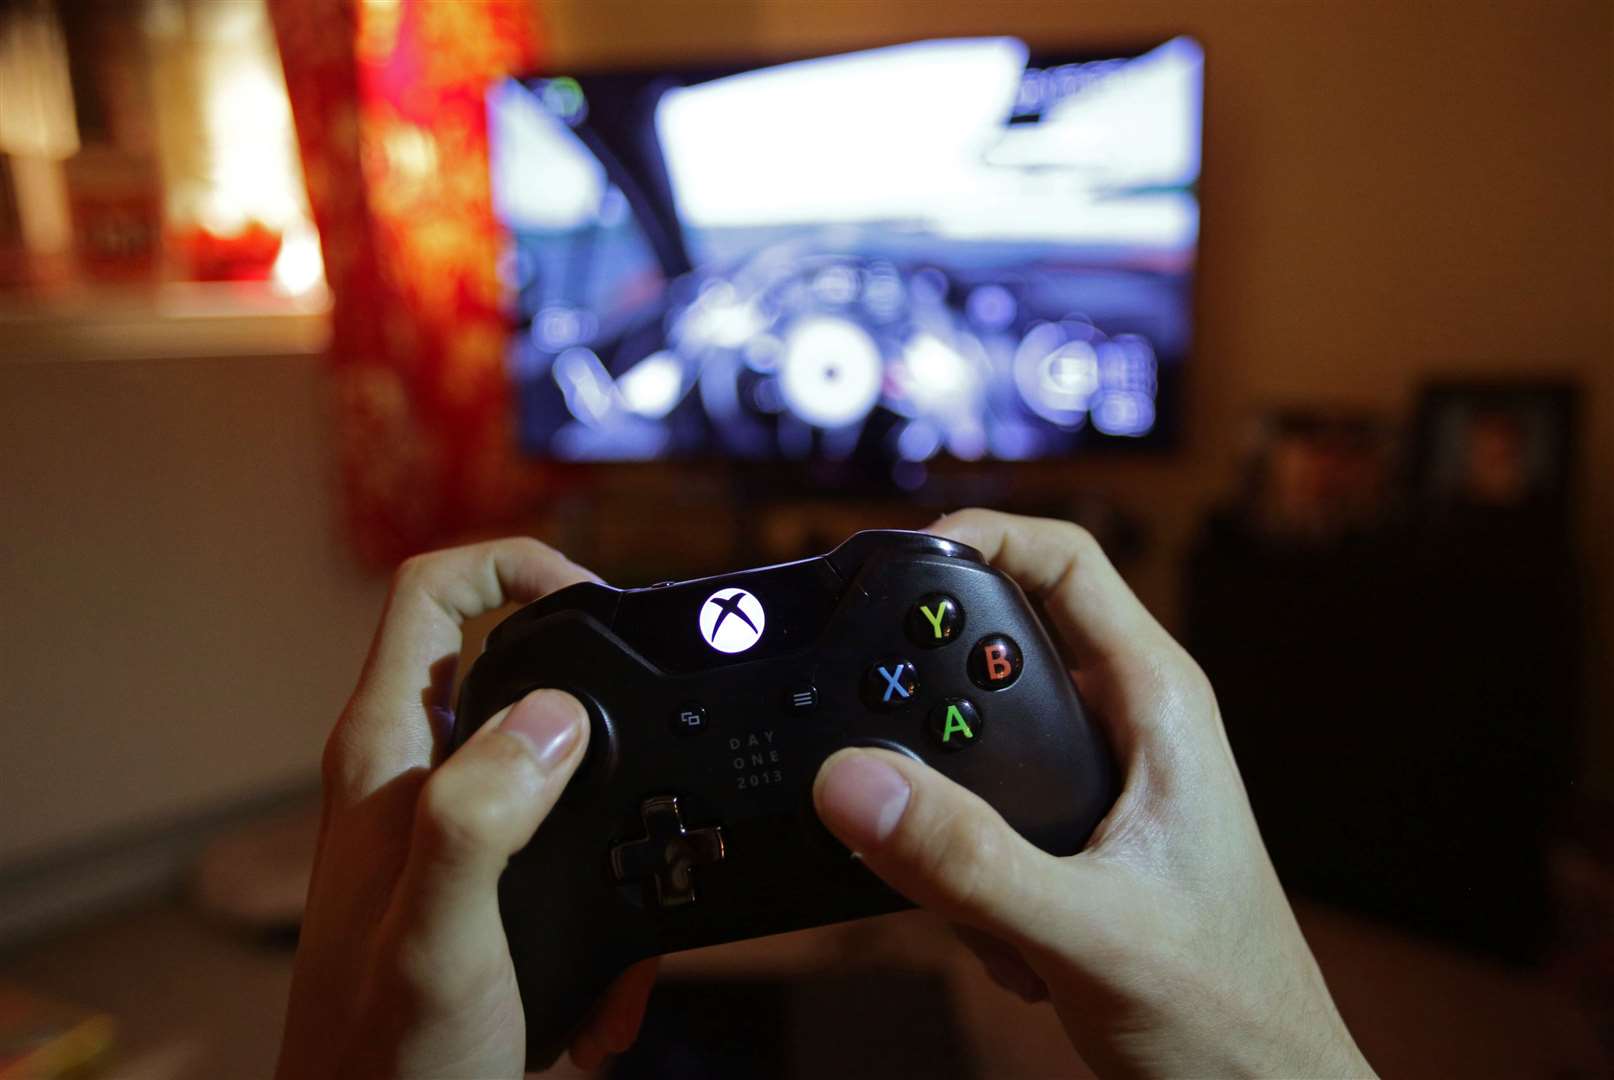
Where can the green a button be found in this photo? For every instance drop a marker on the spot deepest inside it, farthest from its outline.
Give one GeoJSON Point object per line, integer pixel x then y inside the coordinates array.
{"type": "Point", "coordinates": [935, 620]}
{"type": "Point", "coordinates": [955, 723]}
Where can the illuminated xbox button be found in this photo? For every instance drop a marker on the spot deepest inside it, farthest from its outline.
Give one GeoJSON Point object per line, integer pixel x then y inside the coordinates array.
{"type": "Point", "coordinates": [732, 620]}
{"type": "Point", "coordinates": [995, 662]}
{"type": "Point", "coordinates": [935, 620]}
{"type": "Point", "coordinates": [890, 684]}
{"type": "Point", "coordinates": [955, 724]}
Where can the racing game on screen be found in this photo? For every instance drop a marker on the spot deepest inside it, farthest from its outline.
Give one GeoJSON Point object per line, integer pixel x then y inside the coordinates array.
{"type": "Point", "coordinates": [957, 248]}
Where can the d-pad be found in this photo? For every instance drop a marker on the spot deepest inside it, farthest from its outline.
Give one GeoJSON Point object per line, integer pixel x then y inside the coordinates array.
{"type": "Point", "coordinates": [669, 852]}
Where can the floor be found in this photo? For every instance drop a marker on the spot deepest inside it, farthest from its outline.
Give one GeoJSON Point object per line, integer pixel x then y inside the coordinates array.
{"type": "Point", "coordinates": [196, 1000]}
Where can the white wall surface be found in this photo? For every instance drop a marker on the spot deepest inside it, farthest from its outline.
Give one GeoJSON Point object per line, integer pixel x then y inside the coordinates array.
{"type": "Point", "coordinates": [179, 620]}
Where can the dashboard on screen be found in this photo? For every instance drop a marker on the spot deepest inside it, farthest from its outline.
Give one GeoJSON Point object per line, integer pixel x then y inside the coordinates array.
{"type": "Point", "coordinates": [959, 247]}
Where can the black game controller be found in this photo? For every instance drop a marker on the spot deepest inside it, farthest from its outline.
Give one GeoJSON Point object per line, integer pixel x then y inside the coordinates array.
{"type": "Point", "coordinates": [713, 703]}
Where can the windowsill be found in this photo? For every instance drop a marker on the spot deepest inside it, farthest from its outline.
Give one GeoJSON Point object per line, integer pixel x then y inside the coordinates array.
{"type": "Point", "coordinates": [174, 320]}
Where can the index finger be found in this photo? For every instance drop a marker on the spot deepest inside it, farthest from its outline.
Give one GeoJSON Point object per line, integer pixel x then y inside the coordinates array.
{"type": "Point", "coordinates": [388, 726]}
{"type": "Point", "coordinates": [1061, 565]}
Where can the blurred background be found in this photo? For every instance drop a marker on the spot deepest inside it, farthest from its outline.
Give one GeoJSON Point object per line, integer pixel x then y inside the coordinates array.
{"type": "Point", "coordinates": [1306, 310]}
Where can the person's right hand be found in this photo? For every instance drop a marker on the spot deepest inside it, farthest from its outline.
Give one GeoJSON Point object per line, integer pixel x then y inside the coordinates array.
{"type": "Point", "coordinates": [1167, 947]}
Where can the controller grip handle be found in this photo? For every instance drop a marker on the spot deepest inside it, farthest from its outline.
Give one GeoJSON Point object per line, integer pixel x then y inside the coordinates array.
{"type": "Point", "coordinates": [557, 1002]}
{"type": "Point", "coordinates": [566, 957]}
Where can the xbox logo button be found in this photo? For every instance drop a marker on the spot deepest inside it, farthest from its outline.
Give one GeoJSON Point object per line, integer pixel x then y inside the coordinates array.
{"type": "Point", "coordinates": [731, 620]}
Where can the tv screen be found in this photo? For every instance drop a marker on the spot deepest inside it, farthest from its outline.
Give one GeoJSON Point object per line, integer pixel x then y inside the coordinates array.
{"type": "Point", "coordinates": [958, 247]}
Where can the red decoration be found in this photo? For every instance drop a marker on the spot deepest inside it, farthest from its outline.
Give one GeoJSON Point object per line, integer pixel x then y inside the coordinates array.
{"type": "Point", "coordinates": [389, 102]}
{"type": "Point", "coordinates": [248, 255]}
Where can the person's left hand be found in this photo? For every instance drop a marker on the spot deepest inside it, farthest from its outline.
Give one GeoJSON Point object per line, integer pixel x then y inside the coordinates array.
{"type": "Point", "coordinates": [402, 965]}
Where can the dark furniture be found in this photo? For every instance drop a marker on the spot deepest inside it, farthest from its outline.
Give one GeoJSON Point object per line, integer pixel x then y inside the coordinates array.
{"type": "Point", "coordinates": [1401, 704]}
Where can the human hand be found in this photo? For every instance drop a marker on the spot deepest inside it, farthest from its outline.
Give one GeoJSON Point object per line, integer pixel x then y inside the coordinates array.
{"type": "Point", "coordinates": [1168, 947]}
{"type": "Point", "coordinates": [402, 964]}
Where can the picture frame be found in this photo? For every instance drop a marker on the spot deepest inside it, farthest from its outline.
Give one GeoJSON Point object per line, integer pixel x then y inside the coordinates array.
{"type": "Point", "coordinates": [1494, 445]}
{"type": "Point", "coordinates": [1317, 472]}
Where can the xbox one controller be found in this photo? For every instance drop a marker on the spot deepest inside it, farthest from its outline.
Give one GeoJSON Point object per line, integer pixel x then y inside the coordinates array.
{"type": "Point", "coordinates": [712, 704]}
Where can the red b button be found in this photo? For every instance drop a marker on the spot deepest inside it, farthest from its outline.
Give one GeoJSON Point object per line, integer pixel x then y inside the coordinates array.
{"type": "Point", "coordinates": [995, 662]}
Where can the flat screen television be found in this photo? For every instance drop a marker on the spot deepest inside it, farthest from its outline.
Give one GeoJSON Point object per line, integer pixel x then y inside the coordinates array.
{"type": "Point", "coordinates": [960, 248]}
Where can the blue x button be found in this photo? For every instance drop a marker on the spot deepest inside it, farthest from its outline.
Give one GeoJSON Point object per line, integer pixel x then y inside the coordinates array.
{"type": "Point", "coordinates": [890, 684]}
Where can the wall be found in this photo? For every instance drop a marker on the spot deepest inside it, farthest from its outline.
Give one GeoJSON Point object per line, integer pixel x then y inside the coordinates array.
{"type": "Point", "coordinates": [1392, 191]}
{"type": "Point", "coordinates": [180, 624]}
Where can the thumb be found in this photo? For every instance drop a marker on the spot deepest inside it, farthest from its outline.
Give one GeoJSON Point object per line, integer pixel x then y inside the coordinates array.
{"type": "Point", "coordinates": [485, 802]}
{"type": "Point", "coordinates": [938, 844]}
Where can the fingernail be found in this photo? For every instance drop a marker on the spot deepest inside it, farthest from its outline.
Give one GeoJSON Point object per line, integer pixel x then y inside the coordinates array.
{"type": "Point", "coordinates": [862, 799]}
{"type": "Point", "coordinates": [549, 721]}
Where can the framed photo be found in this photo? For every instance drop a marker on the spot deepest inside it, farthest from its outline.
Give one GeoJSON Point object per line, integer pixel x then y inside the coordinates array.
{"type": "Point", "coordinates": [1317, 473]}
{"type": "Point", "coordinates": [1494, 446]}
